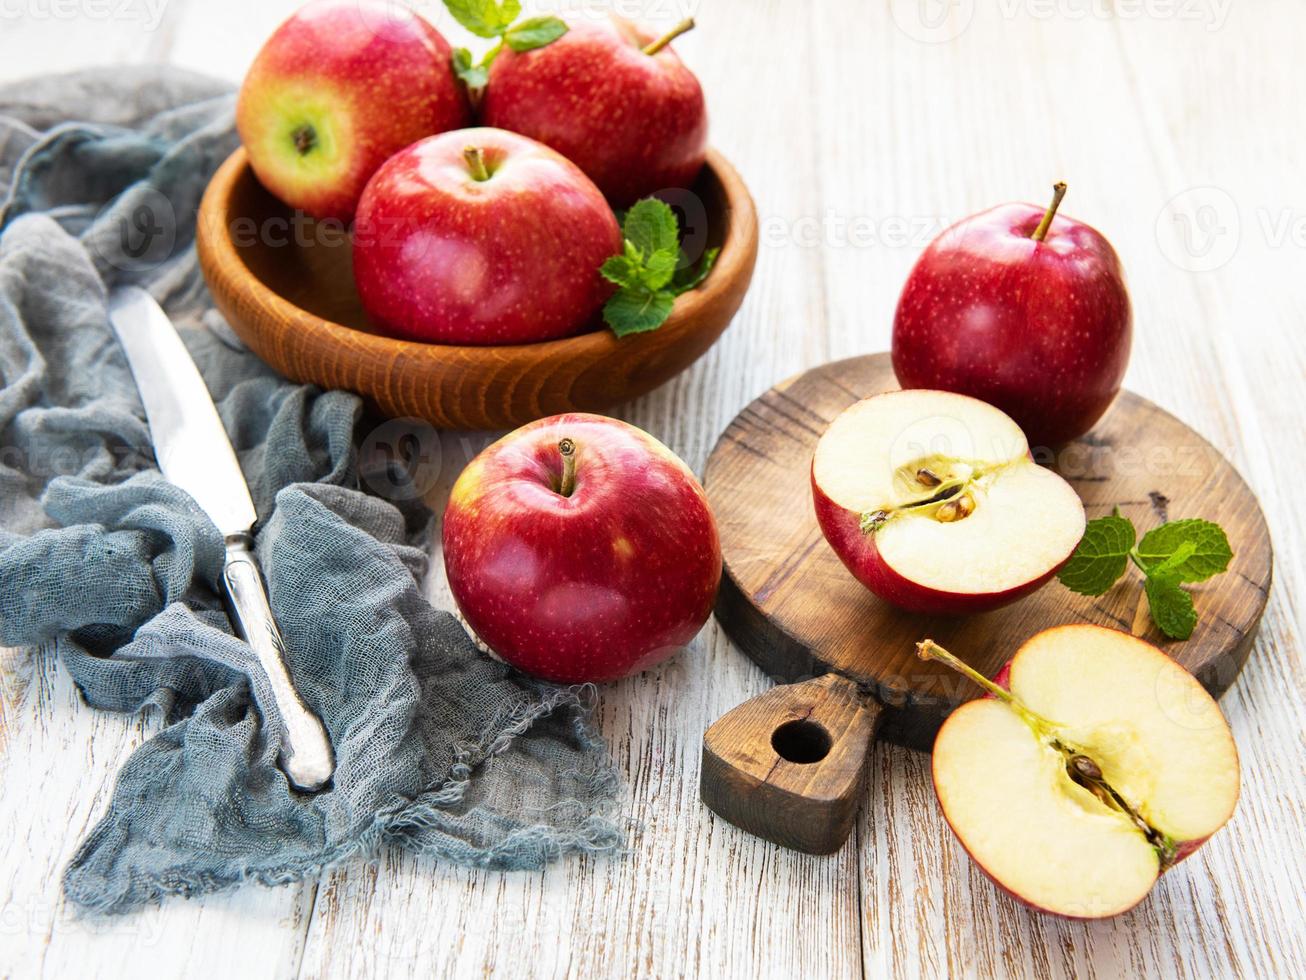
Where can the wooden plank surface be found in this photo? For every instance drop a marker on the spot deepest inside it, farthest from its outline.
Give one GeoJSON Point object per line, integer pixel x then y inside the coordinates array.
{"type": "Point", "coordinates": [861, 128]}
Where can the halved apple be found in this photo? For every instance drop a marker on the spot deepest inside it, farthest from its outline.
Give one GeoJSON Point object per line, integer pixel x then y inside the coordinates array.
{"type": "Point", "coordinates": [932, 501]}
{"type": "Point", "coordinates": [1100, 765]}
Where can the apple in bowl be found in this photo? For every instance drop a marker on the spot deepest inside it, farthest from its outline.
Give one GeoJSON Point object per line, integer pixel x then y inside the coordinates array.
{"type": "Point", "coordinates": [932, 501]}
{"type": "Point", "coordinates": [581, 549]}
{"type": "Point", "coordinates": [336, 90]}
{"type": "Point", "coordinates": [1095, 764]}
{"type": "Point", "coordinates": [611, 96]}
{"type": "Point", "coordinates": [482, 237]}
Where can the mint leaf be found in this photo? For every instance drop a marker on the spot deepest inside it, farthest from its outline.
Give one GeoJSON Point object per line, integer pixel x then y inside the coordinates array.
{"type": "Point", "coordinates": [1101, 557]}
{"type": "Point", "coordinates": [534, 32]}
{"type": "Point", "coordinates": [687, 277]}
{"type": "Point", "coordinates": [651, 270]}
{"type": "Point", "coordinates": [659, 269]}
{"type": "Point", "coordinates": [484, 18]}
{"type": "Point", "coordinates": [651, 227]}
{"type": "Point", "coordinates": [472, 74]}
{"type": "Point", "coordinates": [622, 270]}
{"type": "Point", "coordinates": [1169, 567]}
{"type": "Point", "coordinates": [635, 310]}
{"type": "Point", "coordinates": [1207, 550]}
{"type": "Point", "coordinates": [1171, 607]}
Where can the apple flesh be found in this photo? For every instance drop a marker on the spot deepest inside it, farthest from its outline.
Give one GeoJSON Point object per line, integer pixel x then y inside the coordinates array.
{"type": "Point", "coordinates": [338, 88]}
{"type": "Point", "coordinates": [482, 237]}
{"type": "Point", "coordinates": [1037, 324]}
{"type": "Point", "coordinates": [579, 548]}
{"type": "Point", "coordinates": [1079, 816]}
{"type": "Point", "coordinates": [634, 121]}
{"type": "Point", "coordinates": [933, 503]}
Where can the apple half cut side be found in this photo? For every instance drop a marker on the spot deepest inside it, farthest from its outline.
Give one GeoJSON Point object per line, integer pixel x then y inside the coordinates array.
{"type": "Point", "coordinates": [933, 502]}
{"type": "Point", "coordinates": [1080, 815]}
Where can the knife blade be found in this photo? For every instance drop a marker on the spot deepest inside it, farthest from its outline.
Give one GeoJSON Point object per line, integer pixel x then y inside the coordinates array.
{"type": "Point", "coordinates": [194, 453]}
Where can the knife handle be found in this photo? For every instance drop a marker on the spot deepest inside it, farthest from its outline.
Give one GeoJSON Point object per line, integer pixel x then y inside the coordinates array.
{"type": "Point", "coordinates": [306, 753]}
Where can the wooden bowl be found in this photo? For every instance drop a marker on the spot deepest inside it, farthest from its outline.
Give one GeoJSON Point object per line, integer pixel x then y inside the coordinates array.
{"type": "Point", "coordinates": [286, 286]}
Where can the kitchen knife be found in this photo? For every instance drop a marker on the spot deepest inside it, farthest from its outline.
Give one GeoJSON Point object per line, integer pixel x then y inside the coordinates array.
{"type": "Point", "coordinates": [194, 453]}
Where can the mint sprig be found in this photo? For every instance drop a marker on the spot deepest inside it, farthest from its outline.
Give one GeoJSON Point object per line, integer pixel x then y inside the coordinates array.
{"type": "Point", "coordinates": [652, 269]}
{"type": "Point", "coordinates": [1177, 552]}
{"type": "Point", "coordinates": [497, 19]}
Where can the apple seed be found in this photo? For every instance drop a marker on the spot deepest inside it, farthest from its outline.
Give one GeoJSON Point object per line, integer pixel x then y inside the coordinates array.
{"type": "Point", "coordinates": [1085, 767]}
{"type": "Point", "coordinates": [955, 510]}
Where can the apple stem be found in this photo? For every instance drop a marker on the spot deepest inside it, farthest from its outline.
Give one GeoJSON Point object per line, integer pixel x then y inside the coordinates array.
{"type": "Point", "coordinates": [929, 650]}
{"type": "Point", "coordinates": [685, 25]}
{"type": "Point", "coordinates": [1058, 192]}
{"type": "Point", "coordinates": [476, 163]}
{"type": "Point", "coordinates": [568, 482]}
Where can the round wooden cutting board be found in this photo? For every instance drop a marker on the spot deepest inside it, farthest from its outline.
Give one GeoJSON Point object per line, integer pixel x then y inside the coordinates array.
{"type": "Point", "coordinates": [791, 605]}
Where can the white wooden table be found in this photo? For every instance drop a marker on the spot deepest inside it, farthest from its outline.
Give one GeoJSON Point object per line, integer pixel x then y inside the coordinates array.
{"type": "Point", "coordinates": [862, 127]}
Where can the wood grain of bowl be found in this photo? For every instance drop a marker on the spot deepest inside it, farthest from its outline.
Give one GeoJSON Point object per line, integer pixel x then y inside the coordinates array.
{"type": "Point", "coordinates": [286, 285]}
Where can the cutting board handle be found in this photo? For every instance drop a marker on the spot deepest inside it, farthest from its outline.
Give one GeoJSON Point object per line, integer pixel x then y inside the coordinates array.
{"type": "Point", "coordinates": [790, 765]}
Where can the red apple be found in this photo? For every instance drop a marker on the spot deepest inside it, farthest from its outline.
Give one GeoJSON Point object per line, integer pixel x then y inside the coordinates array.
{"type": "Point", "coordinates": [579, 548]}
{"type": "Point", "coordinates": [611, 97]}
{"type": "Point", "coordinates": [1023, 308]}
{"type": "Point", "coordinates": [339, 88]}
{"type": "Point", "coordinates": [933, 503]}
{"type": "Point", "coordinates": [1100, 765]}
{"type": "Point", "coordinates": [482, 237]}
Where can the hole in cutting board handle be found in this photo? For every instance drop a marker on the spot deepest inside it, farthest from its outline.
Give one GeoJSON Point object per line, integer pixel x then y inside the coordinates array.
{"type": "Point", "coordinates": [803, 742]}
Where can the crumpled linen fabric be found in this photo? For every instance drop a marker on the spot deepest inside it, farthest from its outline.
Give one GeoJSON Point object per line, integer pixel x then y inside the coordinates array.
{"type": "Point", "coordinates": [106, 565]}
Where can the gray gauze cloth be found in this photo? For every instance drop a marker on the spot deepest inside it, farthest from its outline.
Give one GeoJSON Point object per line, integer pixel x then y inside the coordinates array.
{"type": "Point", "coordinates": [438, 747]}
